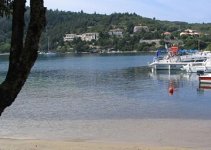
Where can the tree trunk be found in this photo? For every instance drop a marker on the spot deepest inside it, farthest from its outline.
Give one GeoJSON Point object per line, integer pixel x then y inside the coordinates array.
{"type": "Point", "coordinates": [23, 54]}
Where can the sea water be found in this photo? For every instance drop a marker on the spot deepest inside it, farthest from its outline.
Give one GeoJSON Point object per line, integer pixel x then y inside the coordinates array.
{"type": "Point", "coordinates": [64, 91]}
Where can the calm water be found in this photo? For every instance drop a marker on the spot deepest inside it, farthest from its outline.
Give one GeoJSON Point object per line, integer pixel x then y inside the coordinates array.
{"type": "Point", "coordinates": [106, 87]}
{"type": "Point", "coordinates": [70, 88]}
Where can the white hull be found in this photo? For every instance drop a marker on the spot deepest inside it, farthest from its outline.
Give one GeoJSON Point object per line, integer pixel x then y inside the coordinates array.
{"type": "Point", "coordinates": [205, 81]}
{"type": "Point", "coordinates": [176, 62]}
{"type": "Point", "coordinates": [167, 66]}
{"type": "Point", "coordinates": [198, 66]}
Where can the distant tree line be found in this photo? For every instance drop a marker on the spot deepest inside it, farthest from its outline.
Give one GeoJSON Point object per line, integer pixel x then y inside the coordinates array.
{"type": "Point", "coordinates": [60, 22]}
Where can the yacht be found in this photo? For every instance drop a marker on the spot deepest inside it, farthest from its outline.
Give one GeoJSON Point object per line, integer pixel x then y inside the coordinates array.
{"type": "Point", "coordinates": [198, 67]}
{"type": "Point", "coordinates": [173, 61]}
{"type": "Point", "coordinates": [168, 63]}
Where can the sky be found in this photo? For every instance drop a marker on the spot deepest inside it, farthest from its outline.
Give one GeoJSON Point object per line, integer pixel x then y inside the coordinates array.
{"type": "Point", "coordinates": [192, 11]}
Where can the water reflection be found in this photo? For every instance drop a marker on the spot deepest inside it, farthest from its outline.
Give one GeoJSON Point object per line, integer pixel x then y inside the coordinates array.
{"type": "Point", "coordinates": [174, 80]}
{"type": "Point", "coordinates": [171, 88]}
{"type": "Point", "coordinates": [204, 87]}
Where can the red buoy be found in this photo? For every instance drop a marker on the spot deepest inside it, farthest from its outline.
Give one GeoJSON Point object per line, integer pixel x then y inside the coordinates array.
{"type": "Point", "coordinates": [171, 90]}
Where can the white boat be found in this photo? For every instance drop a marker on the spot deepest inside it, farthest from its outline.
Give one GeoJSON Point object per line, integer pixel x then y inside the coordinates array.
{"type": "Point", "coordinates": [198, 66]}
{"type": "Point", "coordinates": [175, 62]}
{"type": "Point", "coordinates": [47, 52]}
{"type": "Point", "coordinates": [172, 61]}
{"type": "Point", "coordinates": [167, 65]}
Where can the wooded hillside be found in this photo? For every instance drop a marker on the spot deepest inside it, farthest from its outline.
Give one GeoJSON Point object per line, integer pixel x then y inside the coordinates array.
{"type": "Point", "coordinates": [60, 23]}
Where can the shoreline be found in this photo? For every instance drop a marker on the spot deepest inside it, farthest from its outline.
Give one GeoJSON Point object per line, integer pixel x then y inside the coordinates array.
{"type": "Point", "coordinates": [4, 54]}
{"type": "Point", "coordinates": [24, 144]}
{"type": "Point", "coordinates": [128, 134]}
{"type": "Point", "coordinates": [116, 52]}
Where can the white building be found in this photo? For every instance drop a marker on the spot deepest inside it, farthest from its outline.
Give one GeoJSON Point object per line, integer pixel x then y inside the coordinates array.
{"type": "Point", "coordinates": [70, 37]}
{"type": "Point", "coordinates": [84, 37]}
{"type": "Point", "coordinates": [89, 36]}
{"type": "Point", "coordinates": [190, 32]}
{"type": "Point", "coordinates": [140, 28]}
{"type": "Point", "coordinates": [116, 32]}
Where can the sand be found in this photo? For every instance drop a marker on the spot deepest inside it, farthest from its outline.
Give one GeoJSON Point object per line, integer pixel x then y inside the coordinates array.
{"type": "Point", "coordinates": [129, 134]}
{"type": "Point", "coordinates": [11, 144]}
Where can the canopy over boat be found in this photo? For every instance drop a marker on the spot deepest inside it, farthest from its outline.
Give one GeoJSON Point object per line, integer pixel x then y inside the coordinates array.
{"type": "Point", "coordinates": [174, 49]}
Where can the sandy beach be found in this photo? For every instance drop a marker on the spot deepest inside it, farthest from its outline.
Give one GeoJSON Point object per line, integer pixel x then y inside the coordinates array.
{"type": "Point", "coordinates": [143, 134]}
{"type": "Point", "coordinates": [11, 144]}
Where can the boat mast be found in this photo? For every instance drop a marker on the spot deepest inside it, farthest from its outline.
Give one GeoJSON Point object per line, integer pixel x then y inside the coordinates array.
{"type": "Point", "coordinates": [48, 44]}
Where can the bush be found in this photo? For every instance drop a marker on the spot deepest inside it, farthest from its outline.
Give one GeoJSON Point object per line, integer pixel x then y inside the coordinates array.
{"type": "Point", "coordinates": [4, 47]}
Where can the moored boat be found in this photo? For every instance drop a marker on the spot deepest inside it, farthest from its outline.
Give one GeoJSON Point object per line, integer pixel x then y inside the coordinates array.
{"type": "Point", "coordinates": [167, 65]}
{"type": "Point", "coordinates": [205, 78]}
{"type": "Point", "coordinates": [173, 61]}
{"type": "Point", "coordinates": [198, 66]}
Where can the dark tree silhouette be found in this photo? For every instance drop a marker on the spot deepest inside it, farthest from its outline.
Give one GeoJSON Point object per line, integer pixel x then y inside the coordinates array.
{"type": "Point", "coordinates": [23, 51]}
{"type": "Point", "coordinates": [5, 7]}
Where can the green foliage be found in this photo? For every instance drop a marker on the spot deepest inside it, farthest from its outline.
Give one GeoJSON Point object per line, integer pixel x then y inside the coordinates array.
{"type": "Point", "coordinates": [5, 7]}
{"type": "Point", "coordinates": [195, 42]}
{"type": "Point", "coordinates": [208, 47]}
{"type": "Point", "coordinates": [4, 47]}
{"type": "Point", "coordinates": [80, 46]}
{"type": "Point", "coordinates": [60, 22]}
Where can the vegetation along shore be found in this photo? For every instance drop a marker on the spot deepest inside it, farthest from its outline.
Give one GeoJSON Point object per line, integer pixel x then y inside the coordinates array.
{"type": "Point", "coordinates": [78, 32]}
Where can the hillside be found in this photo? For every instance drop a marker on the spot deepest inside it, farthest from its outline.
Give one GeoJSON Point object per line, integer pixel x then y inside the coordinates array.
{"type": "Point", "coordinates": [60, 23]}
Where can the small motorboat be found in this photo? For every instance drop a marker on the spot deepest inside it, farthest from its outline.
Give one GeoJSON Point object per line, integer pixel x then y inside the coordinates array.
{"type": "Point", "coordinates": [205, 78]}
{"type": "Point", "coordinates": [173, 61]}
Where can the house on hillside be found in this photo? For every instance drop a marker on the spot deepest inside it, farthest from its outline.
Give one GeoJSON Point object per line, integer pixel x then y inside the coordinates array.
{"type": "Point", "coordinates": [166, 33]}
{"type": "Point", "coordinates": [116, 32]}
{"type": "Point", "coordinates": [84, 37]}
{"type": "Point", "coordinates": [140, 28]}
{"type": "Point", "coordinates": [89, 36]}
{"type": "Point", "coordinates": [69, 37]}
{"type": "Point", "coordinates": [190, 32]}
